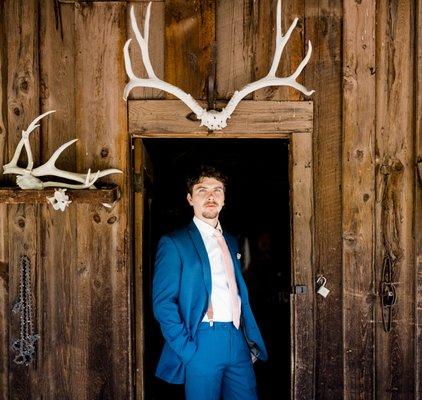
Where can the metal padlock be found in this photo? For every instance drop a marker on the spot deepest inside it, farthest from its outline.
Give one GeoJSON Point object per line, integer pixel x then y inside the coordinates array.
{"type": "Point", "coordinates": [322, 290]}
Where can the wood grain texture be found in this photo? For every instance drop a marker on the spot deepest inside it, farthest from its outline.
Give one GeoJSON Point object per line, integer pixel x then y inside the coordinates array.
{"type": "Point", "coordinates": [59, 270]}
{"type": "Point", "coordinates": [394, 195]}
{"type": "Point", "coordinates": [234, 46]}
{"type": "Point", "coordinates": [155, 45]}
{"type": "Point", "coordinates": [418, 201]}
{"type": "Point", "coordinates": [323, 26]}
{"type": "Point", "coordinates": [4, 303]}
{"type": "Point", "coordinates": [190, 35]}
{"type": "Point", "coordinates": [15, 195]}
{"type": "Point", "coordinates": [358, 199]}
{"type": "Point", "coordinates": [138, 201]}
{"type": "Point", "coordinates": [57, 73]}
{"type": "Point", "coordinates": [169, 117]}
{"type": "Point", "coordinates": [143, 169]}
{"type": "Point", "coordinates": [21, 25]}
{"type": "Point", "coordinates": [3, 91]}
{"type": "Point", "coordinates": [4, 240]}
{"type": "Point", "coordinates": [103, 259]}
{"type": "Point", "coordinates": [22, 72]}
{"type": "Point", "coordinates": [302, 228]}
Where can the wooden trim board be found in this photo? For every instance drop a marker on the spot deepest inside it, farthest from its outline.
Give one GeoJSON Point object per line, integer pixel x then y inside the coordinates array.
{"type": "Point", "coordinates": [269, 119]}
{"type": "Point", "coordinates": [14, 195]}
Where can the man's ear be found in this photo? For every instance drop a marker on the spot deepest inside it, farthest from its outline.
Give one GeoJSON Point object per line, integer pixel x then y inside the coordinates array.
{"type": "Point", "coordinates": [189, 198]}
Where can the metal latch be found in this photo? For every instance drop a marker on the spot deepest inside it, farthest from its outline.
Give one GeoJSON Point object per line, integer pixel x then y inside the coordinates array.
{"type": "Point", "coordinates": [299, 289]}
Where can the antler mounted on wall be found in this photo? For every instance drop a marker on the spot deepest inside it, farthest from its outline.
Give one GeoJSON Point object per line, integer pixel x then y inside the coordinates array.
{"type": "Point", "coordinates": [28, 177]}
{"type": "Point", "coordinates": [212, 119]}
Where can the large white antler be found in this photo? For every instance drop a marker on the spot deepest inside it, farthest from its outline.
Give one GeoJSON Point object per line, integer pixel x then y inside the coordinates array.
{"type": "Point", "coordinates": [27, 177]}
{"type": "Point", "coordinates": [271, 79]}
{"type": "Point", "coordinates": [152, 81]}
{"type": "Point", "coordinates": [213, 119]}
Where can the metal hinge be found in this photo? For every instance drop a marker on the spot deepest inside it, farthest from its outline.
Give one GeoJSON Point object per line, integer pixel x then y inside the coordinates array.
{"type": "Point", "coordinates": [137, 181]}
{"type": "Point", "coordinates": [299, 289]}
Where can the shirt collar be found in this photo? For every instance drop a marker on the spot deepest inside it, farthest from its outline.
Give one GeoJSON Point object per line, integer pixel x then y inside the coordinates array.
{"type": "Point", "coordinates": [204, 228]}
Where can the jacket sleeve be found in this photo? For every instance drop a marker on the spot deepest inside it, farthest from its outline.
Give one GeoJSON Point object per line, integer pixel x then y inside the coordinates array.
{"type": "Point", "coordinates": [165, 293]}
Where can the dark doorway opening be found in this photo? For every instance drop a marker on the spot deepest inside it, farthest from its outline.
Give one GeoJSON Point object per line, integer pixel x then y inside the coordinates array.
{"type": "Point", "coordinates": [257, 211]}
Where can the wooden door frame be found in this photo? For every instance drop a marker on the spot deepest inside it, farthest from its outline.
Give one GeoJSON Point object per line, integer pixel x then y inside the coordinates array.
{"type": "Point", "coordinates": [253, 120]}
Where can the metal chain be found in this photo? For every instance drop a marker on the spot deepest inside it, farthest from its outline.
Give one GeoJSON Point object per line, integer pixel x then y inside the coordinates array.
{"type": "Point", "coordinates": [25, 345]}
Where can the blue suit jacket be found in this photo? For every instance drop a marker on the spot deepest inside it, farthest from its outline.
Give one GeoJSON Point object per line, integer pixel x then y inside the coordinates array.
{"type": "Point", "coordinates": [181, 289]}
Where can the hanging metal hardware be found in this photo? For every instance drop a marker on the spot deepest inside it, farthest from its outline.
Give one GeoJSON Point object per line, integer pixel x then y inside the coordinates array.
{"type": "Point", "coordinates": [25, 345]}
{"type": "Point", "coordinates": [387, 292]}
{"type": "Point", "coordinates": [299, 289]}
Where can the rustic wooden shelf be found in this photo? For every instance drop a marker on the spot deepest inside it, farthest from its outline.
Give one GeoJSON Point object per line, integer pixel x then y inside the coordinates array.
{"type": "Point", "coordinates": [16, 195]}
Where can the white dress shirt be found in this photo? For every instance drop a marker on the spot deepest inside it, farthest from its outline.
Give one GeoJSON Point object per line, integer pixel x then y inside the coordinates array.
{"type": "Point", "coordinates": [220, 294]}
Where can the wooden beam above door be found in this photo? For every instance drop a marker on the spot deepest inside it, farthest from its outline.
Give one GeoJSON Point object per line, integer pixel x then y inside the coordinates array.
{"type": "Point", "coordinates": [171, 118]}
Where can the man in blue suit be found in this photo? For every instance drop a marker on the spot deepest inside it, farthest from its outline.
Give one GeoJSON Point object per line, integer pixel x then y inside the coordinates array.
{"type": "Point", "coordinates": [201, 302]}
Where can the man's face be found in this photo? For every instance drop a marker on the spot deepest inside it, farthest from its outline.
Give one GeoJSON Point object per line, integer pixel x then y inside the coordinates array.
{"type": "Point", "coordinates": [207, 198]}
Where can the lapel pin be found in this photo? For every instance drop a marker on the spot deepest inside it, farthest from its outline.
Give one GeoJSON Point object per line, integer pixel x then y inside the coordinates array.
{"type": "Point", "coordinates": [238, 256]}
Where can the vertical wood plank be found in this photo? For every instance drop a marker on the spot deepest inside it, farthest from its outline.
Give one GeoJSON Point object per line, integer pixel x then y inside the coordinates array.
{"type": "Point", "coordinates": [394, 195]}
{"type": "Point", "coordinates": [138, 200]}
{"type": "Point", "coordinates": [190, 36]}
{"type": "Point", "coordinates": [155, 46]}
{"type": "Point", "coordinates": [22, 72]}
{"type": "Point", "coordinates": [4, 304]}
{"type": "Point", "coordinates": [103, 258]}
{"type": "Point", "coordinates": [358, 199]}
{"type": "Point", "coordinates": [265, 14]}
{"type": "Point", "coordinates": [302, 228]}
{"type": "Point", "coordinates": [418, 201]}
{"type": "Point", "coordinates": [3, 90]}
{"type": "Point", "coordinates": [234, 47]}
{"type": "Point", "coordinates": [21, 25]}
{"type": "Point", "coordinates": [59, 331]}
{"type": "Point", "coordinates": [4, 242]}
{"type": "Point", "coordinates": [143, 169]}
{"type": "Point", "coordinates": [323, 26]}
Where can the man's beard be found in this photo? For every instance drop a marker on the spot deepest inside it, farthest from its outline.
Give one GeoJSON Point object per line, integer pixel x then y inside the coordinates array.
{"type": "Point", "coordinates": [210, 214]}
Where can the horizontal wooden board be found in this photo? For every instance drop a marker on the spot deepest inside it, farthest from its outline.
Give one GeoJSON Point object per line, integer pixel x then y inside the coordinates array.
{"type": "Point", "coordinates": [109, 1]}
{"type": "Point", "coordinates": [16, 195]}
{"type": "Point", "coordinates": [172, 117]}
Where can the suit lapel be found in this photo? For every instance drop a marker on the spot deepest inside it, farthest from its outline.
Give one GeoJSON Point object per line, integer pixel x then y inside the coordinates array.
{"type": "Point", "coordinates": [202, 251]}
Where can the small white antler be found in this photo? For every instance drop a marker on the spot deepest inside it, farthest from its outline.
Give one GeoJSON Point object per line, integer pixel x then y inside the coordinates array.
{"type": "Point", "coordinates": [28, 178]}
{"type": "Point", "coordinates": [212, 119]}
{"type": "Point", "coordinates": [25, 142]}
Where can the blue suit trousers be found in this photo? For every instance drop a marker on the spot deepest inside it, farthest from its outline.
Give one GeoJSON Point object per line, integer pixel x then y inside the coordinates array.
{"type": "Point", "coordinates": [222, 366]}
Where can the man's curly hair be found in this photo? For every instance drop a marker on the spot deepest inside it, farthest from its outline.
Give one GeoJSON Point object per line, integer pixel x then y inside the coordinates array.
{"type": "Point", "coordinates": [204, 171]}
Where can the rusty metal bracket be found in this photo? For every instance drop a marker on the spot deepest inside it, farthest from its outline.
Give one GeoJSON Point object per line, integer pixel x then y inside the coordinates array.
{"type": "Point", "coordinates": [212, 73]}
{"type": "Point", "coordinates": [387, 293]}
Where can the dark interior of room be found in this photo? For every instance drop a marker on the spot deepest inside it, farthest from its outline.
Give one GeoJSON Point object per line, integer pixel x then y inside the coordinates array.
{"type": "Point", "coordinates": [257, 212]}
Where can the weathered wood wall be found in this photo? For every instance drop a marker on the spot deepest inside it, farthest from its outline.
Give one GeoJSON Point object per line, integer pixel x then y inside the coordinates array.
{"type": "Point", "coordinates": [366, 70]}
{"type": "Point", "coordinates": [72, 62]}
